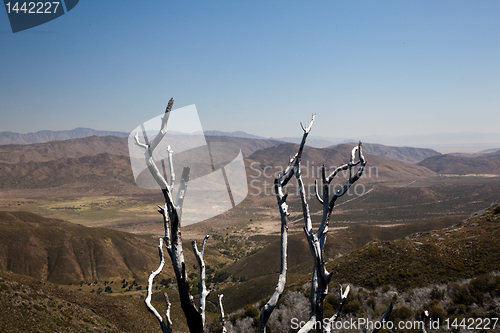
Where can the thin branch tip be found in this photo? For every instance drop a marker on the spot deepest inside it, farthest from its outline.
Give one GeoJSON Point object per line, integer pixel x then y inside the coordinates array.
{"type": "Point", "coordinates": [169, 105]}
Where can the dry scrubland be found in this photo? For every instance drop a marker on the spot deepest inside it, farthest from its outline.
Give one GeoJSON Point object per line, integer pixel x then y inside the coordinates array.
{"type": "Point", "coordinates": [78, 238]}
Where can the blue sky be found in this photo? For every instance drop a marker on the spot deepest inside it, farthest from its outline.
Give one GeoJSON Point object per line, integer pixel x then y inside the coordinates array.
{"type": "Point", "coordinates": [364, 67]}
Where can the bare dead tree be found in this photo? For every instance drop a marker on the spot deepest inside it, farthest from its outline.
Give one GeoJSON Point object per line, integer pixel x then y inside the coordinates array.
{"type": "Point", "coordinates": [321, 277]}
{"type": "Point", "coordinates": [201, 285]}
{"type": "Point", "coordinates": [281, 196]}
{"type": "Point", "coordinates": [171, 212]}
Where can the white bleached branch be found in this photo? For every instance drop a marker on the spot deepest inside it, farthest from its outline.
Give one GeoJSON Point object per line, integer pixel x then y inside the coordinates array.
{"type": "Point", "coordinates": [281, 197]}
{"type": "Point", "coordinates": [163, 129]}
{"type": "Point", "coordinates": [424, 317]}
{"type": "Point", "coordinates": [321, 277]}
{"type": "Point", "coordinates": [223, 320]}
{"type": "Point", "coordinates": [202, 285]}
{"type": "Point", "coordinates": [171, 164]}
{"type": "Point", "coordinates": [343, 297]}
{"type": "Point", "coordinates": [166, 327]}
{"type": "Point", "coordinates": [171, 212]}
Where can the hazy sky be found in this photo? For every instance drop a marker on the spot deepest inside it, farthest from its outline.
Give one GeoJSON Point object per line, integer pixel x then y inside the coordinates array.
{"type": "Point", "coordinates": [364, 67]}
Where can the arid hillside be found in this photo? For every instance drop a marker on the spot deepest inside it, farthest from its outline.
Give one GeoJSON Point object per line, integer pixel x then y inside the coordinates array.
{"type": "Point", "coordinates": [485, 164]}
{"type": "Point", "coordinates": [403, 154]}
{"type": "Point", "coordinates": [64, 252]}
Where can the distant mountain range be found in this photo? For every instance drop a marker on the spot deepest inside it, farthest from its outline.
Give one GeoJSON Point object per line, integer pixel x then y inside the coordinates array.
{"type": "Point", "coordinates": [236, 134]}
{"type": "Point", "coordinates": [460, 143]}
{"type": "Point", "coordinates": [101, 164]}
{"type": "Point", "coordinates": [92, 154]}
{"type": "Point", "coordinates": [7, 138]}
{"type": "Point", "coordinates": [274, 158]}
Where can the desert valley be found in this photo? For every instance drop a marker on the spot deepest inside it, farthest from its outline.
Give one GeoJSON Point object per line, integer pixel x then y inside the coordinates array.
{"type": "Point", "coordinates": [78, 237]}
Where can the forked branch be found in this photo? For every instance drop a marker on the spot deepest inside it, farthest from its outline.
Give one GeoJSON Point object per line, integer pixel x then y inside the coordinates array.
{"type": "Point", "coordinates": [321, 277]}
{"type": "Point", "coordinates": [281, 197]}
{"type": "Point", "coordinates": [343, 297]}
{"type": "Point", "coordinates": [171, 212]}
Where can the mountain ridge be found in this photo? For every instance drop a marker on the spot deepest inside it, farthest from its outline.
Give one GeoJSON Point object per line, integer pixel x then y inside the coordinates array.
{"type": "Point", "coordinates": [410, 155]}
{"type": "Point", "coordinates": [48, 135]}
{"type": "Point", "coordinates": [452, 164]}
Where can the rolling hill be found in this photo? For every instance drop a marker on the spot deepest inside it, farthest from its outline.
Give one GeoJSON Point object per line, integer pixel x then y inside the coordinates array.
{"type": "Point", "coordinates": [493, 155]}
{"type": "Point", "coordinates": [54, 150]}
{"type": "Point", "coordinates": [375, 256]}
{"type": "Point", "coordinates": [94, 145]}
{"type": "Point", "coordinates": [461, 251]}
{"type": "Point", "coordinates": [403, 154]}
{"type": "Point", "coordinates": [63, 252]}
{"type": "Point", "coordinates": [450, 164]}
{"type": "Point", "coordinates": [259, 270]}
{"type": "Point", "coordinates": [100, 165]}
{"type": "Point", "coordinates": [102, 173]}
{"type": "Point", "coordinates": [378, 168]}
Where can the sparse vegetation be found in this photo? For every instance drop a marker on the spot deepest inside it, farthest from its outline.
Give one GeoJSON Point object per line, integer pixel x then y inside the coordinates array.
{"type": "Point", "coordinates": [458, 252]}
{"type": "Point", "coordinates": [240, 261]}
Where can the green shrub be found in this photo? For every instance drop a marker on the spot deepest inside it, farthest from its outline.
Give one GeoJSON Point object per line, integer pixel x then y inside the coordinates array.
{"type": "Point", "coordinates": [352, 306]}
{"type": "Point", "coordinates": [371, 302]}
{"type": "Point", "coordinates": [435, 309]}
{"type": "Point", "coordinates": [401, 313]}
{"type": "Point", "coordinates": [436, 294]}
{"type": "Point", "coordinates": [166, 282]}
{"type": "Point", "coordinates": [221, 276]}
{"type": "Point", "coordinates": [251, 311]}
{"type": "Point", "coordinates": [333, 301]}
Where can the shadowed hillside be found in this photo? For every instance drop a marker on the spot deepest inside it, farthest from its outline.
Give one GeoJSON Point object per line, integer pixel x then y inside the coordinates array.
{"type": "Point", "coordinates": [440, 256]}
{"type": "Point", "coordinates": [493, 156]}
{"type": "Point", "coordinates": [267, 260]}
{"type": "Point", "coordinates": [64, 252]}
{"type": "Point", "coordinates": [259, 271]}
